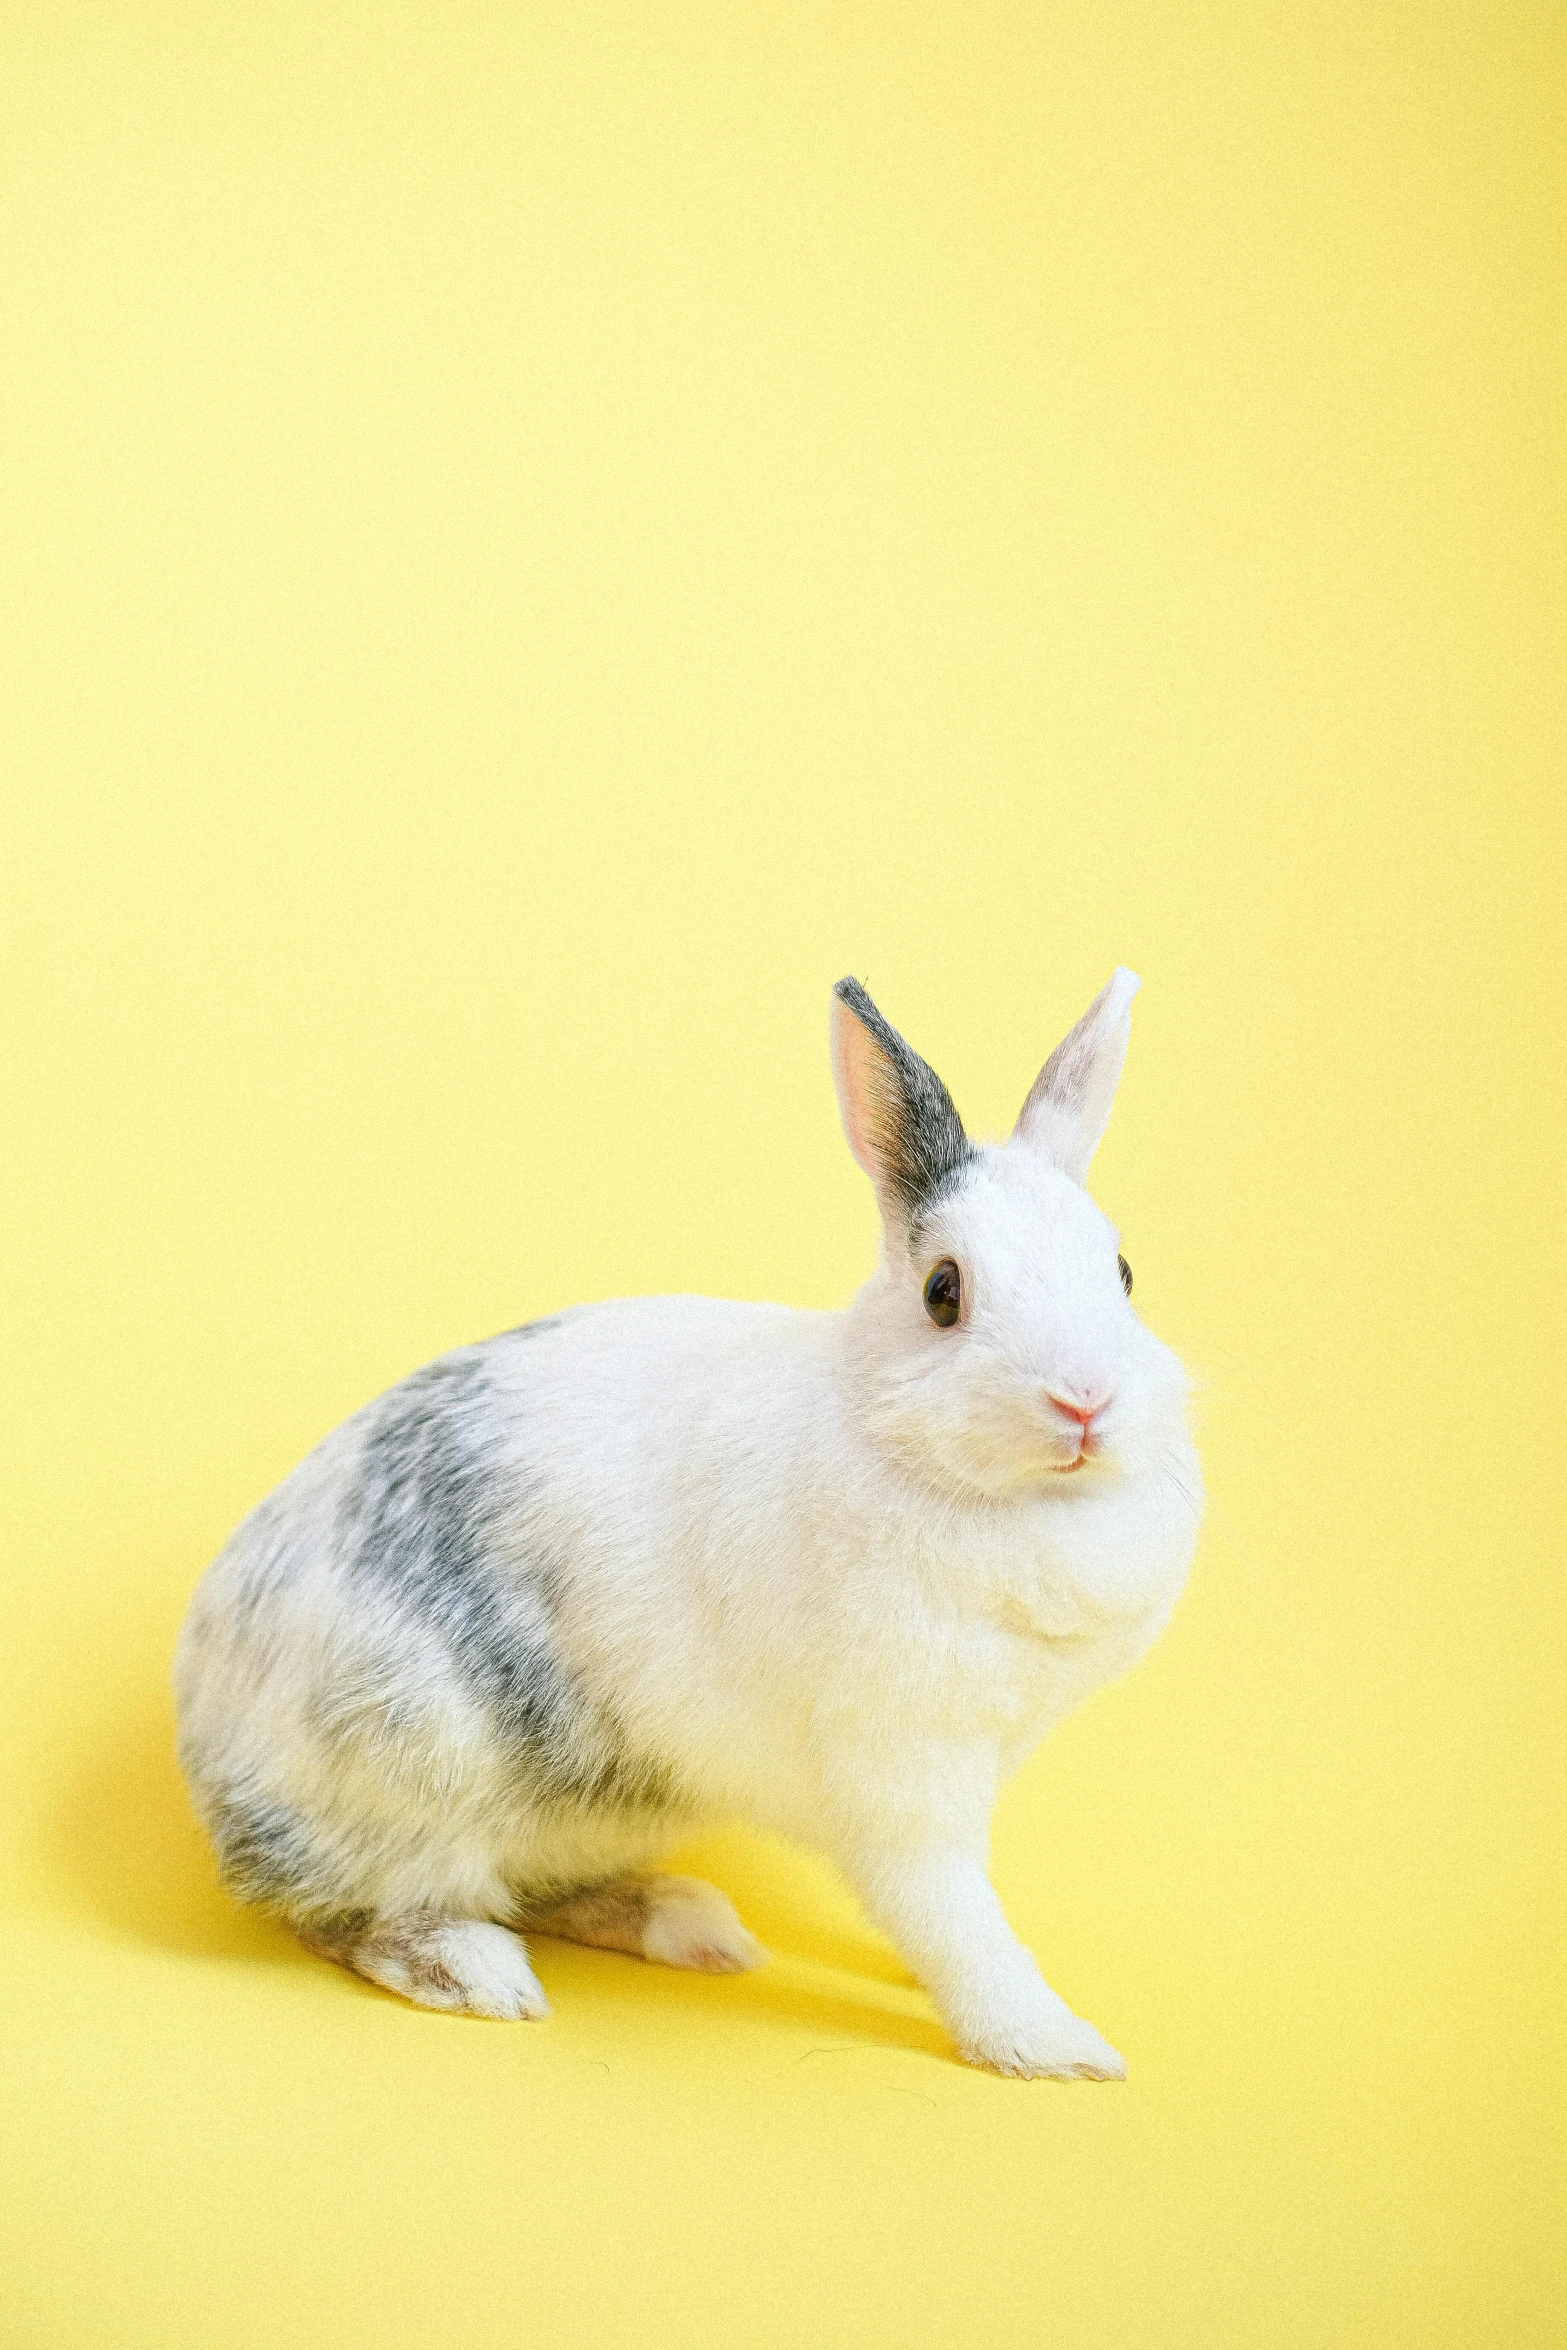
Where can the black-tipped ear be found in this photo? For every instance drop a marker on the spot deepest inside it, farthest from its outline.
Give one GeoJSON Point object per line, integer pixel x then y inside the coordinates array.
{"type": "Point", "coordinates": [897, 1114]}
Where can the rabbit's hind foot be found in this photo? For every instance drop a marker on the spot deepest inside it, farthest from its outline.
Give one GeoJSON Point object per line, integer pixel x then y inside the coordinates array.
{"type": "Point", "coordinates": [464, 1965]}
{"type": "Point", "coordinates": [678, 1921]}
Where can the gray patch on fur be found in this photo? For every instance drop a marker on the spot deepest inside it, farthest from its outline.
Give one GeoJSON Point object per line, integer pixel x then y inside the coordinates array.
{"type": "Point", "coordinates": [334, 1932]}
{"type": "Point", "coordinates": [427, 1521]}
{"type": "Point", "coordinates": [265, 1851]}
{"type": "Point", "coordinates": [612, 1915]}
{"type": "Point", "coordinates": [367, 1945]}
{"type": "Point", "coordinates": [916, 1129]}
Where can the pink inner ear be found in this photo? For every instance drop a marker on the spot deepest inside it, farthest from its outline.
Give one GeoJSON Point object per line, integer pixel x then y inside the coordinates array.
{"type": "Point", "coordinates": [1069, 1102]}
{"type": "Point", "coordinates": [856, 1070]}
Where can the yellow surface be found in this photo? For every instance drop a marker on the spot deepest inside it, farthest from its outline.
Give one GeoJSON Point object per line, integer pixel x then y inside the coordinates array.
{"type": "Point", "coordinates": [534, 539]}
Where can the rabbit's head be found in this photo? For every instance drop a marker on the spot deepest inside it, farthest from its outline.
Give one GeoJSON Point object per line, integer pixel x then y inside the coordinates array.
{"type": "Point", "coordinates": [997, 1349]}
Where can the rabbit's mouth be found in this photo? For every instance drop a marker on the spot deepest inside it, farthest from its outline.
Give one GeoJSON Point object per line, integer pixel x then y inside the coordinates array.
{"type": "Point", "coordinates": [1088, 1455]}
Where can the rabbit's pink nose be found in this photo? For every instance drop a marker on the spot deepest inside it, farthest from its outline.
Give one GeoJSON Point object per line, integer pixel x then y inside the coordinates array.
{"type": "Point", "coordinates": [1084, 1413]}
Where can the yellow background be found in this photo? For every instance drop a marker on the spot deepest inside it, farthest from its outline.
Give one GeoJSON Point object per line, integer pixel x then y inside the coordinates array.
{"type": "Point", "coordinates": [535, 538]}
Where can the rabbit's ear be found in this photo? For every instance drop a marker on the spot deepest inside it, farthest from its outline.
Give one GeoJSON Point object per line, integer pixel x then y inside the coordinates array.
{"type": "Point", "coordinates": [1069, 1106]}
{"type": "Point", "coordinates": [897, 1114]}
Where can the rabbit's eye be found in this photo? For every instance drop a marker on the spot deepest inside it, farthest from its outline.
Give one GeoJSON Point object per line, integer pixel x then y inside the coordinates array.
{"type": "Point", "coordinates": [1126, 1275]}
{"type": "Point", "coordinates": [944, 1293]}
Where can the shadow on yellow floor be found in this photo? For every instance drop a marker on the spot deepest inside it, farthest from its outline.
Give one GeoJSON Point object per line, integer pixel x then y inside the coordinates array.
{"type": "Point", "coordinates": [126, 1853]}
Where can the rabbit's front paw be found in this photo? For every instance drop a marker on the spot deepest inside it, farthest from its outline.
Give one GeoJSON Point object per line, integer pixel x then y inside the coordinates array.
{"type": "Point", "coordinates": [692, 1924]}
{"type": "Point", "coordinates": [1056, 2046]}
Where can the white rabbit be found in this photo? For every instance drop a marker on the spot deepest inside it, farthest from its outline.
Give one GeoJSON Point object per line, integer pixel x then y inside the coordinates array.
{"type": "Point", "coordinates": [519, 1626]}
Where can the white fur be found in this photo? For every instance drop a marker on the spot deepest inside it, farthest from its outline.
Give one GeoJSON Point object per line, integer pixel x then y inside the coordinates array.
{"type": "Point", "coordinates": [460, 1964]}
{"type": "Point", "coordinates": [694, 1925]}
{"type": "Point", "coordinates": [842, 1571]}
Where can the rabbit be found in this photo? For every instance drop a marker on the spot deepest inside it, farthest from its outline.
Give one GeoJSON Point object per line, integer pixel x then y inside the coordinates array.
{"type": "Point", "coordinates": [517, 1628]}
